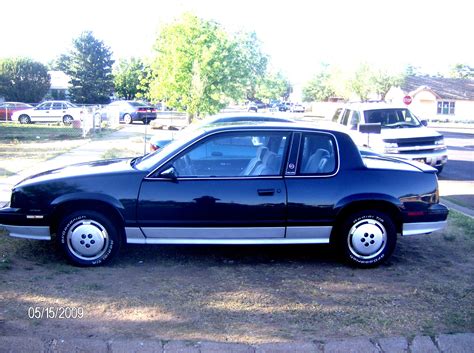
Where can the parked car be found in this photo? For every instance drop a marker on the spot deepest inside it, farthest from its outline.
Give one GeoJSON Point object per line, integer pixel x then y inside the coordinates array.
{"type": "Point", "coordinates": [256, 106]}
{"type": "Point", "coordinates": [265, 183]}
{"type": "Point", "coordinates": [281, 107]}
{"type": "Point", "coordinates": [127, 112]}
{"type": "Point", "coordinates": [49, 112]}
{"type": "Point", "coordinates": [8, 108]}
{"type": "Point", "coordinates": [402, 134]}
{"type": "Point", "coordinates": [157, 142]}
{"type": "Point", "coordinates": [297, 108]}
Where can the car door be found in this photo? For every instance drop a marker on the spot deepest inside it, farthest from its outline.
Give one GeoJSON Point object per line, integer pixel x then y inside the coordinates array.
{"type": "Point", "coordinates": [226, 186]}
{"type": "Point", "coordinates": [58, 109]}
{"type": "Point", "coordinates": [41, 113]}
{"type": "Point", "coordinates": [313, 185]}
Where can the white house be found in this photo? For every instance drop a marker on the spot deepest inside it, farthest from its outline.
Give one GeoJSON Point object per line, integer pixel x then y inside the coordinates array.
{"type": "Point", "coordinates": [436, 98]}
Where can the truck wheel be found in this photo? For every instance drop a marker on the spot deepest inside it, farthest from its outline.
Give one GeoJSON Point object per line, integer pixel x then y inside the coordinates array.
{"type": "Point", "coordinates": [368, 238]}
{"type": "Point", "coordinates": [440, 169]}
{"type": "Point", "coordinates": [88, 238]}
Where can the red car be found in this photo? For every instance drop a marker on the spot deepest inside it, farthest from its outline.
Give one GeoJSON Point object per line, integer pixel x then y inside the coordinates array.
{"type": "Point", "coordinates": [8, 108]}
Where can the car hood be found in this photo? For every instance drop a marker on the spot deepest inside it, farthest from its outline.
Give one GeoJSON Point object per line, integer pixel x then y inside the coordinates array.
{"type": "Point", "coordinates": [110, 166]}
{"type": "Point", "coordinates": [408, 133]}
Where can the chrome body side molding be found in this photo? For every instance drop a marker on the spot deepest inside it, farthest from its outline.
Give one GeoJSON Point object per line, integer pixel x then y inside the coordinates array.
{"type": "Point", "coordinates": [215, 233]}
{"type": "Point", "coordinates": [230, 236]}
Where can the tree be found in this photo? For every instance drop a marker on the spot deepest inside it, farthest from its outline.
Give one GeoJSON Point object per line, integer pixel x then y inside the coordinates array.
{"type": "Point", "coordinates": [320, 87]}
{"type": "Point", "coordinates": [89, 64]}
{"type": "Point", "coordinates": [198, 66]}
{"type": "Point", "coordinates": [382, 81]}
{"type": "Point", "coordinates": [462, 71]}
{"type": "Point", "coordinates": [274, 85]}
{"type": "Point", "coordinates": [24, 80]}
{"type": "Point", "coordinates": [127, 78]}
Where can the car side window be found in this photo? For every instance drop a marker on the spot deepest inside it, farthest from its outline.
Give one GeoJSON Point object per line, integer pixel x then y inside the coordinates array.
{"type": "Point", "coordinates": [355, 120]}
{"type": "Point", "coordinates": [345, 117]}
{"type": "Point", "coordinates": [335, 117]}
{"type": "Point", "coordinates": [57, 106]}
{"type": "Point", "coordinates": [240, 154]}
{"type": "Point", "coordinates": [44, 106]}
{"type": "Point", "coordinates": [318, 154]}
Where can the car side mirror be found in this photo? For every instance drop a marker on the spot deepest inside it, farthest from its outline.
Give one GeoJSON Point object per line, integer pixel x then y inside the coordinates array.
{"type": "Point", "coordinates": [424, 122]}
{"type": "Point", "coordinates": [169, 173]}
{"type": "Point", "coordinates": [370, 128]}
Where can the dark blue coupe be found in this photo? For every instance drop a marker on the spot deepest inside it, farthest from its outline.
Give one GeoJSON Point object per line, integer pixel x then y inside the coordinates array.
{"type": "Point", "coordinates": [260, 183]}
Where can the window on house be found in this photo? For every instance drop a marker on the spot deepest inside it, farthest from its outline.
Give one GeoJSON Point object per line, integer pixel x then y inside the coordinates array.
{"type": "Point", "coordinates": [446, 108]}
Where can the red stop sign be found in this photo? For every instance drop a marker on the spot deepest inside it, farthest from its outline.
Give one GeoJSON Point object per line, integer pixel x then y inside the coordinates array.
{"type": "Point", "coordinates": [407, 100]}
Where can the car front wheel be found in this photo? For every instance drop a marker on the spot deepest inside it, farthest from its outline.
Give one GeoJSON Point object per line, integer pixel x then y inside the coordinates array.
{"type": "Point", "coordinates": [88, 238]}
{"type": "Point", "coordinates": [24, 119]}
{"type": "Point", "coordinates": [368, 238]}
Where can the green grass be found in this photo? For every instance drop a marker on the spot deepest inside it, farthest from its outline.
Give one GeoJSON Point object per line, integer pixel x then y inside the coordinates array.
{"type": "Point", "coordinates": [15, 133]}
{"type": "Point", "coordinates": [461, 221]}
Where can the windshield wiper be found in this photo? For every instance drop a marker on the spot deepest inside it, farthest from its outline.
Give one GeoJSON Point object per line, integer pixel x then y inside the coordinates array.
{"type": "Point", "coordinates": [400, 124]}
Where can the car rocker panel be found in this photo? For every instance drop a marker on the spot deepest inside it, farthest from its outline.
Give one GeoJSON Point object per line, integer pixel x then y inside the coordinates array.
{"type": "Point", "coordinates": [256, 184]}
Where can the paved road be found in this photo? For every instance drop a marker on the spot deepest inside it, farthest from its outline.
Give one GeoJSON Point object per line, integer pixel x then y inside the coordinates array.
{"type": "Point", "coordinates": [461, 156]}
{"type": "Point", "coordinates": [457, 179]}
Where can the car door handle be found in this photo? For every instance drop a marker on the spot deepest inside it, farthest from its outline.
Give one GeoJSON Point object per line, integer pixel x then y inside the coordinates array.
{"type": "Point", "coordinates": [266, 192]}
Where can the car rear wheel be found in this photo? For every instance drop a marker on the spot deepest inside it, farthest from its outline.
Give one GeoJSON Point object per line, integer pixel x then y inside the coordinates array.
{"type": "Point", "coordinates": [127, 118]}
{"type": "Point", "coordinates": [24, 119]}
{"type": "Point", "coordinates": [439, 169]}
{"type": "Point", "coordinates": [67, 120]}
{"type": "Point", "coordinates": [367, 238]}
{"type": "Point", "coordinates": [88, 238]}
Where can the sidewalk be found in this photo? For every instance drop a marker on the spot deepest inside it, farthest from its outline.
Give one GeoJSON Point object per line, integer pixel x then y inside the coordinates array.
{"type": "Point", "coordinates": [452, 343]}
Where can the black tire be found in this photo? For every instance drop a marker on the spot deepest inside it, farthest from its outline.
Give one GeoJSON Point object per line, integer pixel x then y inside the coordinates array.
{"type": "Point", "coordinates": [367, 238]}
{"type": "Point", "coordinates": [146, 121]}
{"type": "Point", "coordinates": [439, 169]}
{"type": "Point", "coordinates": [127, 119]}
{"type": "Point", "coordinates": [67, 119]}
{"type": "Point", "coordinates": [24, 119]}
{"type": "Point", "coordinates": [88, 238]}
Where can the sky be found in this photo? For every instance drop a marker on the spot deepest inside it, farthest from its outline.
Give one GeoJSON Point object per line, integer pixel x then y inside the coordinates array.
{"type": "Point", "coordinates": [298, 35]}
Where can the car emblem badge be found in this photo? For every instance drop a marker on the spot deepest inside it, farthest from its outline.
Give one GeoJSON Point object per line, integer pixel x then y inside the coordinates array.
{"type": "Point", "coordinates": [291, 166]}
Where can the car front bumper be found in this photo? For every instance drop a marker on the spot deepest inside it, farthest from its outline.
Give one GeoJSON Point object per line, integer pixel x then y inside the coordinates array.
{"type": "Point", "coordinates": [26, 226]}
{"type": "Point", "coordinates": [433, 158]}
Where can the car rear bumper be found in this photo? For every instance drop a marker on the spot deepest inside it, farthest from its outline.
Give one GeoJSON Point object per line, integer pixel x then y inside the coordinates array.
{"type": "Point", "coordinates": [423, 222]}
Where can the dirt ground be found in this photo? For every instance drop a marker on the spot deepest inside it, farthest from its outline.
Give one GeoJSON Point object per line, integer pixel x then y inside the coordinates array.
{"type": "Point", "coordinates": [249, 294]}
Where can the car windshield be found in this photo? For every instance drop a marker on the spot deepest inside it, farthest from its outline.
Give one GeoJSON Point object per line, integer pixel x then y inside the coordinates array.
{"type": "Point", "coordinates": [137, 104]}
{"type": "Point", "coordinates": [149, 161]}
{"type": "Point", "coordinates": [392, 118]}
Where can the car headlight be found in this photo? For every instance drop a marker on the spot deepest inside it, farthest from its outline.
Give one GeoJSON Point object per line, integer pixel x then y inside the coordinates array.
{"type": "Point", "coordinates": [390, 147]}
{"type": "Point", "coordinates": [440, 141]}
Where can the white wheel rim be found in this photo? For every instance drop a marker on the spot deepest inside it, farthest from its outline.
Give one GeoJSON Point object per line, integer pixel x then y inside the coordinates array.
{"type": "Point", "coordinates": [367, 239]}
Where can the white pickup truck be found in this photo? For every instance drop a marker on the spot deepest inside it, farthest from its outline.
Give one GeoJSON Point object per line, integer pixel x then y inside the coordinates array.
{"type": "Point", "coordinates": [402, 135]}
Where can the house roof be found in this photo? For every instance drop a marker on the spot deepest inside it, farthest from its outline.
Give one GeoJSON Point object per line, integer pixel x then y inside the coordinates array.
{"type": "Point", "coordinates": [443, 88]}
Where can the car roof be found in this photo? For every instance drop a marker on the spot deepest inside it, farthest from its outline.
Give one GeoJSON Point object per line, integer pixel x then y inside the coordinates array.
{"type": "Point", "coordinates": [325, 126]}
{"type": "Point", "coordinates": [246, 116]}
{"type": "Point", "coordinates": [372, 106]}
